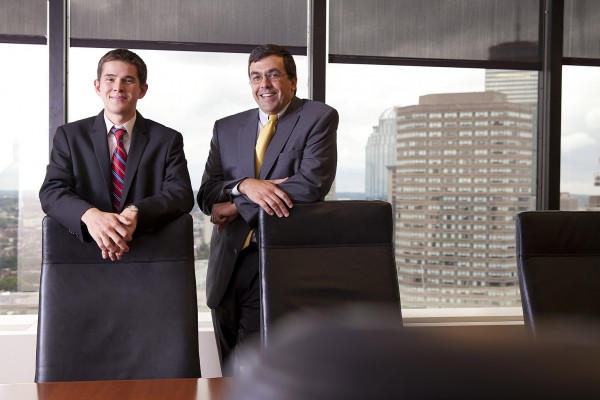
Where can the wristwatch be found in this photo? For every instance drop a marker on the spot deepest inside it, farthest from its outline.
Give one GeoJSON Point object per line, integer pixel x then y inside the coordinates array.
{"type": "Point", "coordinates": [132, 208]}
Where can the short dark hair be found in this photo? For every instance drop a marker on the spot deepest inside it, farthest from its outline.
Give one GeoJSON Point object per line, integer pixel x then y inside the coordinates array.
{"type": "Point", "coordinates": [126, 56]}
{"type": "Point", "coordinates": [267, 50]}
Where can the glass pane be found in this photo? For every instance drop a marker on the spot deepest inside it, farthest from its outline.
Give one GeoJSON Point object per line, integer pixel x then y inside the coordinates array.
{"type": "Point", "coordinates": [456, 162]}
{"type": "Point", "coordinates": [505, 30]}
{"type": "Point", "coordinates": [192, 21]}
{"type": "Point", "coordinates": [23, 159]}
{"type": "Point", "coordinates": [581, 29]}
{"type": "Point", "coordinates": [580, 151]}
{"type": "Point", "coordinates": [23, 17]}
{"type": "Point", "coordinates": [188, 92]}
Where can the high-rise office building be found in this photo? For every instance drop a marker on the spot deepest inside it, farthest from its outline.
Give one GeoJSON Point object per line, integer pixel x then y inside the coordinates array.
{"type": "Point", "coordinates": [593, 203]}
{"type": "Point", "coordinates": [519, 86]}
{"type": "Point", "coordinates": [568, 202]}
{"type": "Point", "coordinates": [380, 154]}
{"type": "Point", "coordinates": [464, 168]}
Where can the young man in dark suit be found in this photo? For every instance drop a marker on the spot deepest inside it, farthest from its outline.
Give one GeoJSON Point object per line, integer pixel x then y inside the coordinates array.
{"type": "Point", "coordinates": [299, 166]}
{"type": "Point", "coordinates": [83, 188]}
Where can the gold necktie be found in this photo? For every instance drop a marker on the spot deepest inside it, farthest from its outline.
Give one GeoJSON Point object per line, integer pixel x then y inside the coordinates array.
{"type": "Point", "coordinates": [264, 137]}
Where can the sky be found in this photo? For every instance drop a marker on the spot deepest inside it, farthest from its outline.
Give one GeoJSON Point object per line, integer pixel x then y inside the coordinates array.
{"type": "Point", "coordinates": [189, 91]}
{"type": "Point", "coordinates": [24, 149]}
{"type": "Point", "coordinates": [580, 141]}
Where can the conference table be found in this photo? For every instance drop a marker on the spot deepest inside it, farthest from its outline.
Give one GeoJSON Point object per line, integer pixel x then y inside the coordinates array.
{"type": "Point", "coordinates": [159, 389]}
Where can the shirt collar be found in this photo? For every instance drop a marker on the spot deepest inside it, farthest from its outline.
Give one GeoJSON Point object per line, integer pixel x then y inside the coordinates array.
{"type": "Point", "coordinates": [127, 125]}
{"type": "Point", "coordinates": [264, 117]}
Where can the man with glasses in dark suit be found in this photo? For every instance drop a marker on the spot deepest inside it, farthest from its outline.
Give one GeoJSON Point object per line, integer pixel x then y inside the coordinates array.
{"type": "Point", "coordinates": [240, 177]}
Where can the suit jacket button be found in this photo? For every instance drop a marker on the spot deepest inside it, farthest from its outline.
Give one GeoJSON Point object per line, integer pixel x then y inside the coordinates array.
{"type": "Point", "coordinates": [235, 251]}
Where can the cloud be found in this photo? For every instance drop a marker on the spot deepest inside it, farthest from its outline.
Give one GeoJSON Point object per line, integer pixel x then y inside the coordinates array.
{"type": "Point", "coordinates": [577, 141]}
{"type": "Point", "coordinates": [592, 117]}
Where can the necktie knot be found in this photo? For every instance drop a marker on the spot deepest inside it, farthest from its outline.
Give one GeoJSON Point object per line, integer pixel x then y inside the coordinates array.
{"type": "Point", "coordinates": [118, 132]}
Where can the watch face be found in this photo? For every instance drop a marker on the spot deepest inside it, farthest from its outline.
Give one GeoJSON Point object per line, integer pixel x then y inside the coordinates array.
{"type": "Point", "coordinates": [132, 208]}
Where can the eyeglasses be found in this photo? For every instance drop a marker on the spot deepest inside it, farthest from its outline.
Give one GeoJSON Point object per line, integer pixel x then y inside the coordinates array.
{"type": "Point", "coordinates": [272, 76]}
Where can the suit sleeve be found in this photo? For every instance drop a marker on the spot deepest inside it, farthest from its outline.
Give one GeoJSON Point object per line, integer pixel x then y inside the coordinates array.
{"type": "Point", "coordinates": [316, 174]}
{"type": "Point", "coordinates": [176, 195]}
{"type": "Point", "coordinates": [215, 188]}
{"type": "Point", "coordinates": [58, 195]}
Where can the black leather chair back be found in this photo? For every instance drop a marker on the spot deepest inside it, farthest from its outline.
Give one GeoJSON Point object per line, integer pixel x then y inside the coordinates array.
{"type": "Point", "coordinates": [326, 255]}
{"type": "Point", "coordinates": [131, 319]}
{"type": "Point", "coordinates": [558, 258]}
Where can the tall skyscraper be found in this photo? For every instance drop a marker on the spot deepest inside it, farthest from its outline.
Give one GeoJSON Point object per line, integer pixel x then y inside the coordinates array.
{"type": "Point", "coordinates": [380, 154]}
{"type": "Point", "coordinates": [519, 86]}
{"type": "Point", "coordinates": [463, 170]}
{"type": "Point", "coordinates": [568, 202]}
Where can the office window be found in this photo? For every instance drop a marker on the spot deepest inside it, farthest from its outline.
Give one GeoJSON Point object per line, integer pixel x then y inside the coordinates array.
{"type": "Point", "coordinates": [581, 29]}
{"type": "Point", "coordinates": [187, 91]}
{"type": "Point", "coordinates": [23, 158]}
{"type": "Point", "coordinates": [377, 32]}
{"type": "Point", "coordinates": [23, 18]}
{"type": "Point", "coordinates": [206, 22]}
{"type": "Point", "coordinates": [580, 139]}
{"type": "Point", "coordinates": [439, 222]}
{"type": "Point", "coordinates": [504, 30]}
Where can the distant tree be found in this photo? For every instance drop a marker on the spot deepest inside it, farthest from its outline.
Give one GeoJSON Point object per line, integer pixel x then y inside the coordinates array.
{"type": "Point", "coordinates": [8, 261]}
{"type": "Point", "coordinates": [8, 284]}
{"type": "Point", "coordinates": [202, 252]}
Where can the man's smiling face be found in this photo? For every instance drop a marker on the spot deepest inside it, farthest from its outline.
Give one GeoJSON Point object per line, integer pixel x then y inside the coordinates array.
{"type": "Point", "coordinates": [120, 89]}
{"type": "Point", "coordinates": [272, 97]}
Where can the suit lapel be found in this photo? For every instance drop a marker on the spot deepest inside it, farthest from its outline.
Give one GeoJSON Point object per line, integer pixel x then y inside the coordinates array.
{"type": "Point", "coordinates": [100, 144]}
{"type": "Point", "coordinates": [139, 141]}
{"type": "Point", "coordinates": [285, 127]}
{"type": "Point", "coordinates": [246, 142]}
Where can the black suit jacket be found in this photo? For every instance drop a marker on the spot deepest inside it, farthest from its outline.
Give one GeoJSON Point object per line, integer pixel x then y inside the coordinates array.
{"type": "Point", "coordinates": [304, 149]}
{"type": "Point", "coordinates": [78, 176]}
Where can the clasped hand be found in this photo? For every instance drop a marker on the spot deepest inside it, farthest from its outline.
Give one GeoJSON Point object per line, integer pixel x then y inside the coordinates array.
{"type": "Point", "coordinates": [265, 193]}
{"type": "Point", "coordinates": [111, 231]}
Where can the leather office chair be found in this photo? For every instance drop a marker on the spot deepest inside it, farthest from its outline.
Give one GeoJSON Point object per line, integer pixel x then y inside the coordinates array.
{"type": "Point", "coordinates": [131, 319]}
{"type": "Point", "coordinates": [558, 259]}
{"type": "Point", "coordinates": [326, 255]}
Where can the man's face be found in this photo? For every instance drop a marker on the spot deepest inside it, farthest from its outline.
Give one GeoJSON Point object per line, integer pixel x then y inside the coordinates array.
{"type": "Point", "coordinates": [119, 88]}
{"type": "Point", "coordinates": [271, 96]}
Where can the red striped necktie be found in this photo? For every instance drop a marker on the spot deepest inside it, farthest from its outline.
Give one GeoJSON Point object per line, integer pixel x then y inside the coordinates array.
{"type": "Point", "coordinates": [119, 162]}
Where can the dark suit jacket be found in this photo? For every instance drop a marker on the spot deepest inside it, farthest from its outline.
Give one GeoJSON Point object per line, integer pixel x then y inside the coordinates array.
{"type": "Point", "coordinates": [78, 176]}
{"type": "Point", "coordinates": [303, 149]}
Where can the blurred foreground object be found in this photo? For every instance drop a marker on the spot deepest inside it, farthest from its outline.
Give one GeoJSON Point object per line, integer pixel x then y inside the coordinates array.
{"type": "Point", "coordinates": [365, 353]}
